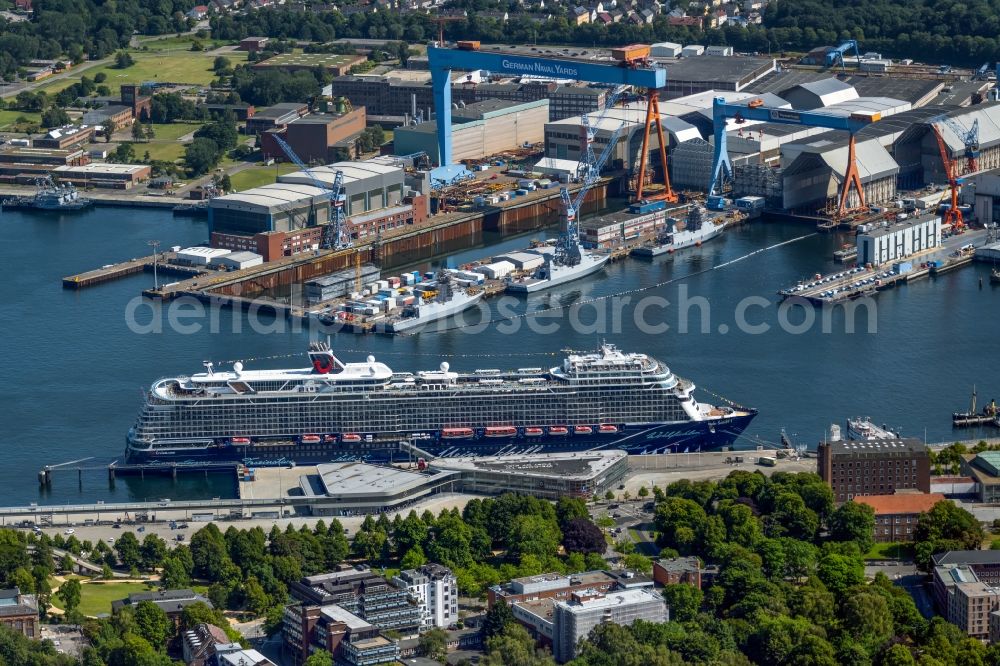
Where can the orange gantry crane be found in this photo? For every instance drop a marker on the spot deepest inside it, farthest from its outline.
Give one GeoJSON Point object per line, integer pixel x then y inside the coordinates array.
{"type": "Point", "coordinates": [952, 215]}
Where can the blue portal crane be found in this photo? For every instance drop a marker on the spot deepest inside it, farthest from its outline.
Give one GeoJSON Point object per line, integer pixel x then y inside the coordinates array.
{"type": "Point", "coordinates": [335, 235]}
{"type": "Point", "coordinates": [837, 55]}
{"type": "Point", "coordinates": [754, 109]}
{"type": "Point", "coordinates": [625, 70]}
{"type": "Point", "coordinates": [969, 137]}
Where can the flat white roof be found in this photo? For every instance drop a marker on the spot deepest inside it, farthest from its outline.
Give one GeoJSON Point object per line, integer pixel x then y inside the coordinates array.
{"type": "Point", "coordinates": [339, 614]}
{"type": "Point", "coordinates": [102, 167]}
{"type": "Point", "coordinates": [274, 194]}
{"type": "Point", "coordinates": [205, 251]}
{"type": "Point", "coordinates": [610, 600]}
{"type": "Point", "coordinates": [364, 480]}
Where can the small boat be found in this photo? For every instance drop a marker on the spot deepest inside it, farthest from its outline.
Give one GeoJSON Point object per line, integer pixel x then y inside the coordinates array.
{"type": "Point", "coordinates": [350, 438]}
{"type": "Point", "coordinates": [310, 439]}
{"type": "Point", "coordinates": [240, 441]}
{"type": "Point", "coordinates": [501, 431]}
{"type": "Point", "coordinates": [583, 430]}
{"type": "Point", "coordinates": [533, 432]}
{"type": "Point", "coordinates": [558, 430]}
{"type": "Point", "coordinates": [456, 433]}
{"type": "Point", "coordinates": [995, 276]}
{"type": "Point", "coordinates": [608, 429]}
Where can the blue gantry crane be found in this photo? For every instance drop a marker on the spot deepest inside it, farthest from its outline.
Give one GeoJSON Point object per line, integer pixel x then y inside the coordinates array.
{"type": "Point", "coordinates": [970, 139]}
{"type": "Point", "coordinates": [754, 109]}
{"type": "Point", "coordinates": [335, 234]}
{"type": "Point", "coordinates": [630, 67]}
{"type": "Point", "coordinates": [837, 55]}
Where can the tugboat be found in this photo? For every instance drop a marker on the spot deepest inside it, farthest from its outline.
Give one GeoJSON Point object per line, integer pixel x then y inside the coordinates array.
{"type": "Point", "coordinates": [50, 196]}
{"type": "Point", "coordinates": [988, 415]}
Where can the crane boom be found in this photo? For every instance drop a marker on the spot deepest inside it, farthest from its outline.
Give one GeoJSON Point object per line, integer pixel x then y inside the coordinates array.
{"type": "Point", "coordinates": [335, 235]}
{"type": "Point", "coordinates": [953, 215]}
{"type": "Point", "coordinates": [969, 137]}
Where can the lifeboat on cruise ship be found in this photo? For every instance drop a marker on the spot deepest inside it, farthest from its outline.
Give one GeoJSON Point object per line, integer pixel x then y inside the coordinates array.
{"type": "Point", "coordinates": [608, 429]}
{"type": "Point", "coordinates": [501, 431]}
{"type": "Point", "coordinates": [533, 431]}
{"type": "Point", "coordinates": [558, 430]}
{"type": "Point", "coordinates": [456, 433]}
{"type": "Point", "coordinates": [350, 438]}
{"type": "Point", "coordinates": [240, 441]}
{"type": "Point", "coordinates": [583, 430]}
{"type": "Point", "coordinates": [329, 439]}
{"type": "Point", "coordinates": [310, 439]}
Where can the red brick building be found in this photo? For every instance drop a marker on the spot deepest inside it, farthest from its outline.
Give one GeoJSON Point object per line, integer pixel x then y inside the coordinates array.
{"type": "Point", "coordinates": [857, 468]}
{"type": "Point", "coordinates": [673, 571]}
{"type": "Point", "coordinates": [314, 137]}
{"type": "Point", "coordinates": [896, 515]}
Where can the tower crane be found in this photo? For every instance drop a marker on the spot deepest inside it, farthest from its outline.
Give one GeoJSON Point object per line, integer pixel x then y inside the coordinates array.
{"type": "Point", "coordinates": [335, 235]}
{"type": "Point", "coordinates": [969, 137]}
{"type": "Point", "coordinates": [953, 215]}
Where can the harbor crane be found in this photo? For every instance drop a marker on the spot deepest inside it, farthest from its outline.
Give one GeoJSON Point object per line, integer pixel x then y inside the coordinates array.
{"type": "Point", "coordinates": [335, 234]}
{"type": "Point", "coordinates": [627, 68]}
{"type": "Point", "coordinates": [754, 110]}
{"type": "Point", "coordinates": [837, 55]}
{"type": "Point", "coordinates": [969, 137]}
{"type": "Point", "coordinates": [952, 215]}
{"type": "Point", "coordinates": [568, 249]}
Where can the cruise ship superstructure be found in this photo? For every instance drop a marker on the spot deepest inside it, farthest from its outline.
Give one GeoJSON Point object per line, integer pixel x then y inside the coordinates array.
{"type": "Point", "coordinates": [603, 399]}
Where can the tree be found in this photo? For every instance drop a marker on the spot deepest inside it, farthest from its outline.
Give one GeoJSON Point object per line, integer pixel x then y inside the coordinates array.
{"type": "Point", "coordinates": [70, 592]}
{"type": "Point", "coordinates": [129, 551]}
{"type": "Point", "coordinates": [137, 133]}
{"type": "Point", "coordinates": [109, 129]}
{"type": "Point", "coordinates": [152, 623]}
{"type": "Point", "coordinates": [683, 600]}
{"type": "Point", "coordinates": [255, 598]}
{"type": "Point", "coordinates": [100, 77]}
{"type": "Point", "coordinates": [514, 647]}
{"type": "Point", "coordinates": [150, 133]}
{"type": "Point", "coordinates": [413, 559]}
{"type": "Point", "coordinates": [221, 63]}
{"type": "Point", "coordinates": [568, 508]}
{"type": "Point", "coordinates": [854, 521]}
{"type": "Point", "coordinates": [433, 644]}
{"type": "Point", "coordinates": [946, 521]}
{"type": "Point", "coordinates": [123, 60]}
{"type": "Point", "coordinates": [840, 572]}
{"type": "Point", "coordinates": [582, 536]}
{"type": "Point", "coordinates": [226, 183]}
{"type": "Point", "coordinates": [643, 492]}
{"type": "Point", "coordinates": [201, 156]}
{"type": "Point", "coordinates": [898, 655]}
{"type": "Point", "coordinates": [153, 551]}
{"type": "Point", "coordinates": [867, 619]}
{"type": "Point", "coordinates": [319, 658]}
{"type": "Point", "coordinates": [54, 117]}
{"type": "Point", "coordinates": [497, 619]}
{"type": "Point", "coordinates": [535, 535]}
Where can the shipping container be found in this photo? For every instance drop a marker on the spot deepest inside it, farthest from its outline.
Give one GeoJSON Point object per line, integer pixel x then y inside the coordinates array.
{"type": "Point", "coordinates": [641, 207]}
{"type": "Point", "coordinates": [665, 50]}
{"type": "Point", "coordinates": [630, 52]}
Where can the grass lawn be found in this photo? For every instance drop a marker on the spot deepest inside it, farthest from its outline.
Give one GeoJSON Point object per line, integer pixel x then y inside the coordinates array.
{"type": "Point", "coordinates": [96, 598]}
{"type": "Point", "coordinates": [8, 117]}
{"type": "Point", "coordinates": [166, 145]}
{"type": "Point", "coordinates": [260, 175]}
{"type": "Point", "coordinates": [167, 66]}
{"type": "Point", "coordinates": [890, 551]}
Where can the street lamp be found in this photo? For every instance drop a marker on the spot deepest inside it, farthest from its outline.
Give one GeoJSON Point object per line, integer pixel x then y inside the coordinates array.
{"type": "Point", "coordinates": [155, 244]}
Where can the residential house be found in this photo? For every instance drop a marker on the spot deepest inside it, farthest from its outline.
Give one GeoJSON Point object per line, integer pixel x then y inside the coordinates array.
{"type": "Point", "coordinates": [197, 12]}
{"type": "Point", "coordinates": [580, 15]}
{"type": "Point", "coordinates": [19, 612]}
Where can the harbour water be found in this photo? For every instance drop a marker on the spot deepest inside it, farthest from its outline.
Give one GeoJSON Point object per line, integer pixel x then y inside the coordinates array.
{"type": "Point", "coordinates": [72, 369]}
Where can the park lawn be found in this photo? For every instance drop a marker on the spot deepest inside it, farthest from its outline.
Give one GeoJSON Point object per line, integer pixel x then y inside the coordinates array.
{"type": "Point", "coordinates": [890, 551]}
{"type": "Point", "coordinates": [260, 175]}
{"type": "Point", "coordinates": [9, 116]}
{"type": "Point", "coordinates": [166, 145]}
{"type": "Point", "coordinates": [181, 43]}
{"type": "Point", "coordinates": [96, 597]}
{"type": "Point", "coordinates": [167, 66]}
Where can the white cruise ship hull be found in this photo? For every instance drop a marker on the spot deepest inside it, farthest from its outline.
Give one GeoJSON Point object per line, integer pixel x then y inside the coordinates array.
{"type": "Point", "coordinates": [589, 263]}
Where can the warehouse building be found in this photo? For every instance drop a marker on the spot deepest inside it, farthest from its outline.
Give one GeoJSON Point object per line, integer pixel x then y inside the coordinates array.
{"type": "Point", "coordinates": [275, 117]}
{"type": "Point", "coordinates": [64, 138]}
{"type": "Point", "coordinates": [23, 165]}
{"type": "Point", "coordinates": [334, 64]}
{"type": "Point", "coordinates": [479, 130]}
{"type": "Point", "coordinates": [314, 137]}
{"type": "Point", "coordinates": [720, 73]}
{"type": "Point", "coordinates": [895, 242]}
{"type": "Point", "coordinates": [101, 174]}
{"type": "Point", "coordinates": [813, 173]}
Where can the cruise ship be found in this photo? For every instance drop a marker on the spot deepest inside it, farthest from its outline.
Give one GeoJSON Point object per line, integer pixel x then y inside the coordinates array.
{"type": "Point", "coordinates": [330, 409]}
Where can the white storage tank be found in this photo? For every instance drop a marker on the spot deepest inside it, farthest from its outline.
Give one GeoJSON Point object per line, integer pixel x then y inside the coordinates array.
{"type": "Point", "coordinates": [719, 50]}
{"type": "Point", "coordinates": [692, 50]}
{"type": "Point", "coordinates": [665, 50]}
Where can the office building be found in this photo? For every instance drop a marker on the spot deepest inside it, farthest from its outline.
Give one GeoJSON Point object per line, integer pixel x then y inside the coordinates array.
{"type": "Point", "coordinates": [351, 640]}
{"type": "Point", "coordinates": [574, 619]}
{"type": "Point", "coordinates": [855, 468]}
{"type": "Point", "coordinates": [561, 587]}
{"type": "Point", "coordinates": [19, 612]}
{"type": "Point", "coordinates": [436, 592]}
{"type": "Point", "coordinates": [363, 593]}
{"type": "Point", "coordinates": [895, 242]}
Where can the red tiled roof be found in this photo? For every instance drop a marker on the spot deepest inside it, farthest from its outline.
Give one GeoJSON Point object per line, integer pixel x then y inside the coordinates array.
{"type": "Point", "coordinates": [902, 503]}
